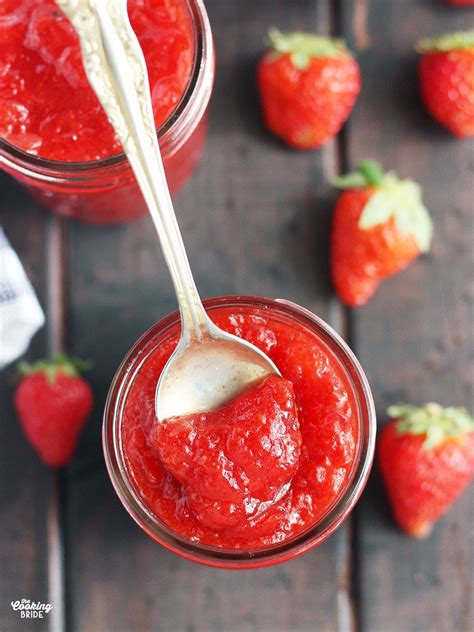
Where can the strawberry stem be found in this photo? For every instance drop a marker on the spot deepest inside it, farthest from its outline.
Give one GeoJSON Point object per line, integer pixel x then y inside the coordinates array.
{"type": "Point", "coordinates": [368, 173]}
{"type": "Point", "coordinates": [372, 172]}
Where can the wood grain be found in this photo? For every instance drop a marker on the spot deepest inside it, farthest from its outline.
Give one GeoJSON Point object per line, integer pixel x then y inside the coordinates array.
{"type": "Point", "coordinates": [415, 337]}
{"type": "Point", "coordinates": [255, 219]}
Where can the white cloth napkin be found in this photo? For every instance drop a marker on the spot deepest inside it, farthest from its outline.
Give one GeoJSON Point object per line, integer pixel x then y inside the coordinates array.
{"type": "Point", "coordinates": [20, 313]}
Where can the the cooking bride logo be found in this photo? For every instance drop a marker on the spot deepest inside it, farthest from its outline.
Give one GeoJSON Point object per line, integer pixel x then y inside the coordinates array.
{"type": "Point", "coordinates": [28, 609]}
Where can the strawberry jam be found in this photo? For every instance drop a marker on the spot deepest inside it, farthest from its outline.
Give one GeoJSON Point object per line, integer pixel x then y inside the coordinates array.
{"type": "Point", "coordinates": [236, 462]}
{"type": "Point", "coordinates": [264, 467]}
{"type": "Point", "coordinates": [47, 106]}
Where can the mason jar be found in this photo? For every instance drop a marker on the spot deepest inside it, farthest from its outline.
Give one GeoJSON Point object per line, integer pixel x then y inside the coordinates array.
{"type": "Point", "coordinates": [105, 191]}
{"type": "Point", "coordinates": [165, 332]}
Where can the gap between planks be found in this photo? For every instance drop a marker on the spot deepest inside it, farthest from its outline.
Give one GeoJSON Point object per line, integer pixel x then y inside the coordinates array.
{"type": "Point", "coordinates": [56, 317]}
{"type": "Point", "coordinates": [340, 318]}
{"type": "Point", "coordinates": [348, 602]}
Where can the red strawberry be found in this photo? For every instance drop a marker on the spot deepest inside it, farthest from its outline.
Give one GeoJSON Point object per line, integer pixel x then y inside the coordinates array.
{"type": "Point", "coordinates": [380, 225]}
{"type": "Point", "coordinates": [53, 403]}
{"type": "Point", "coordinates": [426, 456]}
{"type": "Point", "coordinates": [446, 71]}
{"type": "Point", "coordinates": [308, 85]}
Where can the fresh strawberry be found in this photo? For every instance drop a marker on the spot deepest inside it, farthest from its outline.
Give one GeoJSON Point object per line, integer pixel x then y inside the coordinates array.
{"type": "Point", "coordinates": [426, 456]}
{"type": "Point", "coordinates": [380, 225]}
{"type": "Point", "coordinates": [308, 85]}
{"type": "Point", "coordinates": [53, 402]}
{"type": "Point", "coordinates": [446, 71]}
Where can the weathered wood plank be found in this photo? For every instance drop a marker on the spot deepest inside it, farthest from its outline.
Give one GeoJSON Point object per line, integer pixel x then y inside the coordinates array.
{"type": "Point", "coordinates": [255, 220]}
{"type": "Point", "coordinates": [414, 338]}
{"type": "Point", "coordinates": [25, 489]}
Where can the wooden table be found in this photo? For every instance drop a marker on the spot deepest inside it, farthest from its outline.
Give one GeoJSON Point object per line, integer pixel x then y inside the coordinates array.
{"type": "Point", "coordinates": [255, 219]}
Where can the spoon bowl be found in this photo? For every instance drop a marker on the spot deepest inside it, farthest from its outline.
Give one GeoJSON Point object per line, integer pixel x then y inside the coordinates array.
{"type": "Point", "coordinates": [203, 375]}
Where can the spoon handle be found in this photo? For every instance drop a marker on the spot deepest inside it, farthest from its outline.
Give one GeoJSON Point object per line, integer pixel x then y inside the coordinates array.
{"type": "Point", "coordinates": [116, 69]}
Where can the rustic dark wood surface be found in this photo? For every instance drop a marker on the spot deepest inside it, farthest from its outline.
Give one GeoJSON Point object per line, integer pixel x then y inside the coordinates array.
{"type": "Point", "coordinates": [255, 219]}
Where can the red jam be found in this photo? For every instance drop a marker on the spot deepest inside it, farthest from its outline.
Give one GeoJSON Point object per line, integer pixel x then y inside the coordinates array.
{"type": "Point", "coordinates": [264, 467]}
{"type": "Point", "coordinates": [237, 461]}
{"type": "Point", "coordinates": [47, 107]}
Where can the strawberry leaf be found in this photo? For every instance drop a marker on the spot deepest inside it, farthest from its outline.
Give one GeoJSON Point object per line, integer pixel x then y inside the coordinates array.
{"type": "Point", "coordinates": [353, 180]}
{"type": "Point", "coordinates": [302, 47]}
{"type": "Point", "coordinates": [400, 199]}
{"type": "Point", "coordinates": [432, 420]}
{"type": "Point", "coordinates": [378, 210]}
{"type": "Point", "coordinates": [411, 216]}
{"type": "Point", "coordinates": [461, 40]}
{"type": "Point", "coordinates": [70, 366]}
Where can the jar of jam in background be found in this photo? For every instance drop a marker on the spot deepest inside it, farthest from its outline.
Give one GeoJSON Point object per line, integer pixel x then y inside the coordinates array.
{"type": "Point", "coordinates": [145, 493]}
{"type": "Point", "coordinates": [104, 190]}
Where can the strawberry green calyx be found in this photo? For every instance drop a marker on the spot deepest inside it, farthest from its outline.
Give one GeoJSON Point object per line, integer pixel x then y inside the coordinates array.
{"type": "Point", "coordinates": [302, 47]}
{"type": "Point", "coordinates": [393, 198]}
{"type": "Point", "coordinates": [60, 363]}
{"type": "Point", "coordinates": [368, 174]}
{"type": "Point", "coordinates": [432, 420]}
{"type": "Point", "coordinates": [461, 40]}
{"type": "Point", "coordinates": [400, 199]}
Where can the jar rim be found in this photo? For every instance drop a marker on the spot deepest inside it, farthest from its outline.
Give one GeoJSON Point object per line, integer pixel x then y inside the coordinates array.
{"type": "Point", "coordinates": [185, 115]}
{"type": "Point", "coordinates": [249, 558]}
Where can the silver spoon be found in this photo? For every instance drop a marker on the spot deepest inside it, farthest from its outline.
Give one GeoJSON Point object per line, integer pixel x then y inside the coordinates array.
{"type": "Point", "coordinates": [209, 366]}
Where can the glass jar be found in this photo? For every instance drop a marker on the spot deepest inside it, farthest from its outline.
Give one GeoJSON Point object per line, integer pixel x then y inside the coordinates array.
{"type": "Point", "coordinates": [105, 191]}
{"type": "Point", "coordinates": [313, 535]}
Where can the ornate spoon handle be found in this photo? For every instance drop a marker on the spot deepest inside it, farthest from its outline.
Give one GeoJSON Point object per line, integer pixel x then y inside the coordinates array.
{"type": "Point", "coordinates": [116, 69]}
